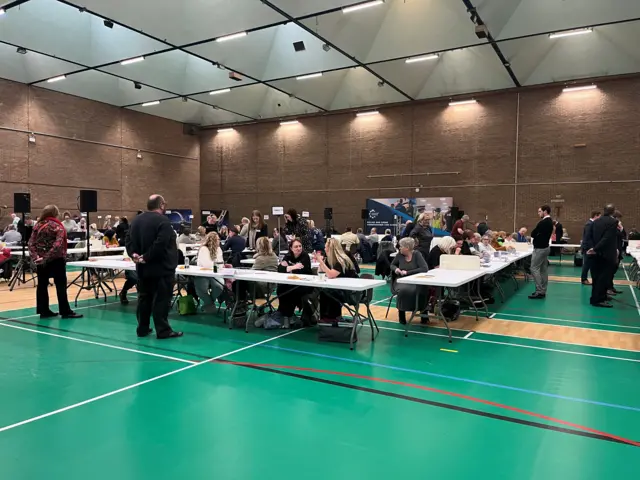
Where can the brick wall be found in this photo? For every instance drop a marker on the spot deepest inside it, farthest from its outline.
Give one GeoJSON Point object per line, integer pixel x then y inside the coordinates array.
{"type": "Point", "coordinates": [325, 160]}
{"type": "Point", "coordinates": [55, 168]}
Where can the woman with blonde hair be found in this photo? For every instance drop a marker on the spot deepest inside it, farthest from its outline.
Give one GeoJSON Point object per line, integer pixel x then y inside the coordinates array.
{"type": "Point", "coordinates": [446, 246]}
{"type": "Point", "coordinates": [336, 265]}
{"type": "Point", "coordinates": [265, 260]}
{"type": "Point", "coordinates": [423, 234]}
{"type": "Point", "coordinates": [209, 254]}
{"type": "Point", "coordinates": [244, 227]}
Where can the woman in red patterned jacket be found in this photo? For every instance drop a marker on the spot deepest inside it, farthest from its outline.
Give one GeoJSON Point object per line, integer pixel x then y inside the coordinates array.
{"type": "Point", "coordinates": [48, 250]}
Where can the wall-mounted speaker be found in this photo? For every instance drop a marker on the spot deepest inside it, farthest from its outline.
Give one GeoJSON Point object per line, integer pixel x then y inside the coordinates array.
{"type": "Point", "coordinates": [88, 201]}
{"type": "Point", "coordinates": [22, 202]}
{"type": "Point", "coordinates": [364, 214]}
{"type": "Point", "coordinates": [328, 213]}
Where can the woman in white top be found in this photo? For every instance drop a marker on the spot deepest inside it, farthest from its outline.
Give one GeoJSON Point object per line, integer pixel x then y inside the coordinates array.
{"type": "Point", "coordinates": [209, 289]}
{"type": "Point", "coordinates": [485, 245]}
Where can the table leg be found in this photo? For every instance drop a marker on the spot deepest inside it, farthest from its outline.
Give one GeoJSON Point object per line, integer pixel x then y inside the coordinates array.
{"type": "Point", "coordinates": [439, 302]}
{"type": "Point", "coordinates": [235, 303]}
{"type": "Point", "coordinates": [473, 304]}
{"type": "Point", "coordinates": [253, 306]}
{"type": "Point", "coordinates": [486, 310]}
{"type": "Point", "coordinates": [356, 321]}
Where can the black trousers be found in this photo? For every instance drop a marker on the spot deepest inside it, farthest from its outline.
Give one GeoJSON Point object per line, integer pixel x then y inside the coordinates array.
{"type": "Point", "coordinates": [154, 297]}
{"type": "Point", "coordinates": [289, 298]}
{"type": "Point", "coordinates": [56, 269]}
{"type": "Point", "coordinates": [130, 282]}
{"type": "Point", "coordinates": [602, 271]}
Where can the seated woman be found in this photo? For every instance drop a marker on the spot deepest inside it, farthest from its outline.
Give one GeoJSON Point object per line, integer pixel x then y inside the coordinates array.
{"type": "Point", "coordinates": [411, 298]}
{"type": "Point", "coordinates": [467, 247]}
{"type": "Point", "coordinates": [110, 239]}
{"type": "Point", "coordinates": [224, 232]}
{"type": "Point", "coordinates": [337, 264]}
{"type": "Point", "coordinates": [295, 262]}
{"type": "Point", "coordinates": [201, 232]}
{"type": "Point", "coordinates": [387, 236]}
{"type": "Point", "coordinates": [446, 246]}
{"type": "Point", "coordinates": [266, 260]}
{"type": "Point", "coordinates": [485, 245]}
{"type": "Point", "coordinates": [209, 289]}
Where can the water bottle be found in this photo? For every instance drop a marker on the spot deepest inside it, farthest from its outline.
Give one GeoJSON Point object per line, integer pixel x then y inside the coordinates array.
{"type": "Point", "coordinates": [215, 267]}
{"type": "Point", "coordinates": [186, 262]}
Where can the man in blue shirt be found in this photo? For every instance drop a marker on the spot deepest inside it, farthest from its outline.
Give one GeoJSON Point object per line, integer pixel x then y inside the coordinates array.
{"type": "Point", "coordinates": [522, 235]}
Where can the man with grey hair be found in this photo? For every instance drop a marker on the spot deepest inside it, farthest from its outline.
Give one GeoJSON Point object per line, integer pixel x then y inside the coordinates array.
{"type": "Point", "coordinates": [151, 244]}
{"type": "Point", "coordinates": [11, 235]}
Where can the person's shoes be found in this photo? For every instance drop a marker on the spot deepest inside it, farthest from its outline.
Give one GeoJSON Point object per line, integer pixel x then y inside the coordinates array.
{"type": "Point", "coordinates": [586, 282]}
{"type": "Point", "coordinates": [611, 292]}
{"type": "Point", "coordinates": [72, 315]}
{"type": "Point", "coordinates": [142, 335]}
{"type": "Point", "coordinates": [616, 291]}
{"type": "Point", "coordinates": [537, 296]}
{"type": "Point", "coordinates": [403, 321]}
{"type": "Point", "coordinates": [286, 322]}
{"type": "Point", "coordinates": [602, 305]}
{"type": "Point", "coordinates": [49, 314]}
{"type": "Point", "coordinates": [172, 334]}
{"type": "Point", "coordinates": [123, 299]}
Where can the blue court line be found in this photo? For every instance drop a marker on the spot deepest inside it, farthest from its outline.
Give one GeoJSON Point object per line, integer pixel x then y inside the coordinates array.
{"type": "Point", "coordinates": [448, 377]}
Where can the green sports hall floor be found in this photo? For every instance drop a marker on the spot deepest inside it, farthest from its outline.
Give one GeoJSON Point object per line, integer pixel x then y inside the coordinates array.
{"type": "Point", "coordinates": [86, 399]}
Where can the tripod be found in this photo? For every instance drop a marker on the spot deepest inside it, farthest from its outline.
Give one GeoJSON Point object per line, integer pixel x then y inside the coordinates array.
{"type": "Point", "coordinates": [20, 273]}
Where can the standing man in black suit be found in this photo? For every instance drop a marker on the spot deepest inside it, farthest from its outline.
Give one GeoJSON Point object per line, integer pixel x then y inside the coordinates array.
{"type": "Point", "coordinates": [604, 256]}
{"type": "Point", "coordinates": [587, 243]}
{"type": "Point", "coordinates": [541, 235]}
{"type": "Point", "coordinates": [152, 245]}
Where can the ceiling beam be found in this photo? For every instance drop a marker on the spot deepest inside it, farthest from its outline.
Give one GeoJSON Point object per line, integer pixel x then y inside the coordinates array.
{"type": "Point", "coordinates": [335, 47]}
{"type": "Point", "coordinates": [176, 47]}
{"type": "Point", "coordinates": [475, 18]}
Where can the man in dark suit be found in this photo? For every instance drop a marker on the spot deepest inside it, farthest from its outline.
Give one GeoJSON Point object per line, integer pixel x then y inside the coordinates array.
{"type": "Point", "coordinates": [604, 255]}
{"type": "Point", "coordinates": [587, 243]}
{"type": "Point", "coordinates": [540, 236]}
{"type": "Point", "coordinates": [152, 245]}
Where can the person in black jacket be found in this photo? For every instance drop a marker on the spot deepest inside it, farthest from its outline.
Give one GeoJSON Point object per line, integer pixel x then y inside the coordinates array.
{"type": "Point", "coordinates": [621, 238]}
{"type": "Point", "coordinates": [295, 262]}
{"type": "Point", "coordinates": [121, 231]}
{"type": "Point", "coordinates": [423, 234]}
{"type": "Point", "coordinates": [541, 235]}
{"type": "Point", "coordinates": [234, 242]}
{"type": "Point", "coordinates": [151, 244]}
{"type": "Point", "coordinates": [604, 256]}
{"type": "Point", "coordinates": [586, 244]}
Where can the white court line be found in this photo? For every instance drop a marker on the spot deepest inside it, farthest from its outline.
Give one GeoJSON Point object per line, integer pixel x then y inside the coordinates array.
{"type": "Point", "coordinates": [474, 339]}
{"type": "Point", "coordinates": [467, 335]}
{"type": "Point", "coordinates": [97, 343]}
{"type": "Point", "coordinates": [492, 315]}
{"type": "Point", "coordinates": [124, 389]}
{"type": "Point", "coordinates": [58, 317]}
{"type": "Point", "coordinates": [568, 321]}
{"type": "Point", "coordinates": [633, 292]}
{"type": "Point", "coordinates": [381, 301]}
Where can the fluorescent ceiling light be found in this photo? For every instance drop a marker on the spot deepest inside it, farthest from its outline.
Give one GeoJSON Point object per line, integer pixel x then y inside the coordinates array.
{"type": "Point", "coordinates": [462, 102]}
{"type": "Point", "coordinates": [56, 79]}
{"type": "Point", "coordinates": [132, 60]}
{"type": "Point", "coordinates": [233, 36]}
{"type": "Point", "coordinates": [225, 130]}
{"type": "Point", "coordinates": [151, 104]}
{"type": "Point", "coordinates": [216, 92]}
{"type": "Point", "coordinates": [290, 122]}
{"type": "Point", "coordinates": [2, 12]}
{"type": "Point", "coordinates": [311, 75]}
{"type": "Point", "coordinates": [360, 6]}
{"type": "Point", "coordinates": [577, 89]}
{"type": "Point", "coordinates": [570, 33]}
{"type": "Point", "coordinates": [422, 59]}
{"type": "Point", "coordinates": [366, 114]}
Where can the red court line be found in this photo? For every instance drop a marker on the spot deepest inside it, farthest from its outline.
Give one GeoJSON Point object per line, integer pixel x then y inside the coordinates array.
{"type": "Point", "coordinates": [443, 392]}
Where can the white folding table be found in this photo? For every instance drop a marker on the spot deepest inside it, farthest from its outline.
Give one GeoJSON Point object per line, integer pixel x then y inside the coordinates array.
{"type": "Point", "coordinates": [322, 283]}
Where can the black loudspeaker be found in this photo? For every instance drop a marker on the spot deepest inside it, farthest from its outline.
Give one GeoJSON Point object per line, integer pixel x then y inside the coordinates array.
{"type": "Point", "coordinates": [328, 213]}
{"type": "Point", "coordinates": [456, 213]}
{"type": "Point", "coordinates": [88, 201]}
{"type": "Point", "coordinates": [22, 202]}
{"type": "Point", "coordinates": [364, 214]}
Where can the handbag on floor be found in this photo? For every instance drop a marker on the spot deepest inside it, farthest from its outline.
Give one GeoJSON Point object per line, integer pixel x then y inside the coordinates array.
{"type": "Point", "coordinates": [187, 305]}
